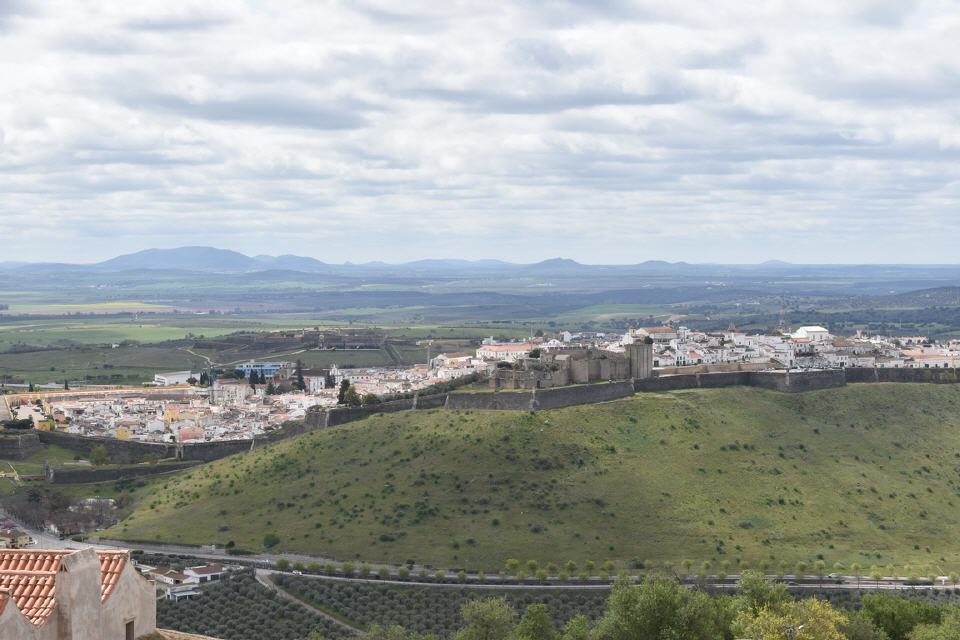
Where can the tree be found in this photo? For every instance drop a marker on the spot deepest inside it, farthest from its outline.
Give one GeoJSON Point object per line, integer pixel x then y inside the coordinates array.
{"type": "Point", "coordinates": [577, 629]}
{"type": "Point", "coordinates": [759, 594]}
{"type": "Point", "coordinates": [369, 399]}
{"type": "Point", "coordinates": [687, 564]}
{"type": "Point", "coordinates": [809, 619]}
{"type": "Point", "coordinates": [300, 384]}
{"type": "Point", "coordinates": [271, 540]}
{"type": "Point", "coordinates": [352, 398]}
{"type": "Point", "coordinates": [662, 608]}
{"type": "Point", "coordinates": [490, 619]}
{"type": "Point", "coordinates": [317, 634]}
{"type": "Point", "coordinates": [204, 379]}
{"type": "Point", "coordinates": [897, 616]}
{"type": "Point", "coordinates": [859, 627]}
{"type": "Point", "coordinates": [820, 566]}
{"type": "Point", "coordinates": [239, 374]}
{"type": "Point", "coordinates": [948, 629]}
{"type": "Point", "coordinates": [344, 386]}
{"type": "Point", "coordinates": [99, 456]}
{"type": "Point", "coordinates": [535, 624]}
{"type": "Point", "coordinates": [282, 564]}
{"type": "Point", "coordinates": [511, 566]}
{"type": "Point", "coordinates": [329, 382]}
{"type": "Point", "coordinates": [857, 571]}
{"type": "Point", "coordinates": [66, 385]}
{"type": "Point", "coordinates": [271, 390]}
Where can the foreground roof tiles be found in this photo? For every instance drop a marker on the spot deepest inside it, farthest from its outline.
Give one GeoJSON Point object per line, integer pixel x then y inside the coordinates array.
{"type": "Point", "coordinates": [29, 578]}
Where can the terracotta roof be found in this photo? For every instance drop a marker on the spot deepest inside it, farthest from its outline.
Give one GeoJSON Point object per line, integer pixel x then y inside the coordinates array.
{"type": "Point", "coordinates": [206, 569]}
{"type": "Point", "coordinates": [30, 576]}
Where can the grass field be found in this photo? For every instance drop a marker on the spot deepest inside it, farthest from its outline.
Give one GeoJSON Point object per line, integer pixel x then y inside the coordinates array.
{"type": "Point", "coordinates": [866, 473]}
{"type": "Point", "coordinates": [104, 366]}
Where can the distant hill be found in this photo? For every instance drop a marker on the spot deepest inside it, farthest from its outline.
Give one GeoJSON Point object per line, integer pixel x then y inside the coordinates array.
{"type": "Point", "coordinates": [865, 473]}
{"type": "Point", "coordinates": [289, 262]}
{"type": "Point", "coordinates": [183, 259]}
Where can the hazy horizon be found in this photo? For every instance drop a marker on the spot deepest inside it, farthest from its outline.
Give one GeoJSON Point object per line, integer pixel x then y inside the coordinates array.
{"type": "Point", "coordinates": [770, 262]}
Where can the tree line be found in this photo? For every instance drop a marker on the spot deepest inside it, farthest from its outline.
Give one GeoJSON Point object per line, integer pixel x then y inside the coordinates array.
{"type": "Point", "coordinates": [661, 608]}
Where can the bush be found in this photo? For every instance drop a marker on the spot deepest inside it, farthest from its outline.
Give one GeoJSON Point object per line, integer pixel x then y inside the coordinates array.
{"type": "Point", "coordinates": [270, 540]}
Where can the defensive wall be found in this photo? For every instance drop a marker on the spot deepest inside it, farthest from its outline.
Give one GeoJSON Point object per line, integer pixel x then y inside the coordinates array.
{"type": "Point", "coordinates": [108, 474]}
{"type": "Point", "coordinates": [127, 451]}
{"type": "Point", "coordinates": [16, 444]}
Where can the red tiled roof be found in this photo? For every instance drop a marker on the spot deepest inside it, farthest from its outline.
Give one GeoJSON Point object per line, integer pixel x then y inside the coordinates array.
{"type": "Point", "coordinates": [30, 577]}
{"type": "Point", "coordinates": [207, 570]}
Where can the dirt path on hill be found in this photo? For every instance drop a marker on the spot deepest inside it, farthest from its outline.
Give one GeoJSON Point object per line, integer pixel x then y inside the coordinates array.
{"type": "Point", "coordinates": [263, 577]}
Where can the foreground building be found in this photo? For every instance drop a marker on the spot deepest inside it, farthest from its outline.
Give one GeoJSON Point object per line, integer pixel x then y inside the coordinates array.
{"type": "Point", "coordinates": [74, 595]}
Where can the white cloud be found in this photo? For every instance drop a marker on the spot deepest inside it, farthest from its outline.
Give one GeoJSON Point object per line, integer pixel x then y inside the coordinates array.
{"type": "Point", "coordinates": [606, 131]}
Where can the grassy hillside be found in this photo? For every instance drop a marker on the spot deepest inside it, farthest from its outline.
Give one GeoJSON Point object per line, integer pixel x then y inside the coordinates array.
{"type": "Point", "coordinates": [867, 473]}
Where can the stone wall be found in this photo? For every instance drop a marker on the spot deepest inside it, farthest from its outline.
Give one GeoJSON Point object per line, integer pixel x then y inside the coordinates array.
{"type": "Point", "coordinates": [493, 400]}
{"type": "Point", "coordinates": [774, 380]}
{"type": "Point", "coordinates": [16, 444]}
{"type": "Point", "coordinates": [118, 451]}
{"type": "Point", "coordinates": [588, 394]}
{"type": "Point", "coordinates": [97, 474]}
{"type": "Point", "coordinates": [797, 382]}
{"type": "Point", "coordinates": [936, 376]}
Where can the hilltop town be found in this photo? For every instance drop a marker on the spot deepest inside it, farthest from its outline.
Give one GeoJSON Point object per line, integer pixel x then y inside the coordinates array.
{"type": "Point", "coordinates": [257, 397]}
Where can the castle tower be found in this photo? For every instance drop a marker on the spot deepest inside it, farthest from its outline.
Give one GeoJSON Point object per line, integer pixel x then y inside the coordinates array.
{"type": "Point", "coordinates": [640, 355]}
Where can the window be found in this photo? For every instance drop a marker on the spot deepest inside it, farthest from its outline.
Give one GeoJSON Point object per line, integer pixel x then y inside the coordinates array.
{"type": "Point", "coordinates": [130, 631]}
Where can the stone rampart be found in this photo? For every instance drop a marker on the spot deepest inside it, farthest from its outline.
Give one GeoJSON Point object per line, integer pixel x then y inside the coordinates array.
{"type": "Point", "coordinates": [17, 445]}
{"type": "Point", "coordinates": [491, 400]}
{"type": "Point", "coordinates": [560, 397]}
{"type": "Point", "coordinates": [109, 474]}
{"type": "Point", "coordinates": [118, 451]}
{"type": "Point", "coordinates": [935, 376]}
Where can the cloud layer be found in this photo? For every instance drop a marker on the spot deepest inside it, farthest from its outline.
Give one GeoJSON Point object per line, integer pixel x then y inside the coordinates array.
{"type": "Point", "coordinates": [608, 131]}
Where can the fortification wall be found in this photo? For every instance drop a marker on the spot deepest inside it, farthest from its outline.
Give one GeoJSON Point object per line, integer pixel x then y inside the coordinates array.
{"type": "Point", "coordinates": [341, 415]}
{"type": "Point", "coordinates": [88, 475]}
{"type": "Point", "coordinates": [720, 367]}
{"type": "Point", "coordinates": [118, 451]}
{"type": "Point", "coordinates": [723, 379]}
{"type": "Point", "coordinates": [17, 445]}
{"type": "Point", "coordinates": [435, 401]}
{"type": "Point", "coordinates": [494, 400]}
{"type": "Point", "coordinates": [797, 382]}
{"type": "Point", "coordinates": [667, 383]}
{"type": "Point", "coordinates": [570, 396]}
{"type": "Point", "coordinates": [935, 376]}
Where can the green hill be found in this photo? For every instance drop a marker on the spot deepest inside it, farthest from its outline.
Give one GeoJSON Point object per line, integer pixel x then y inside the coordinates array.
{"type": "Point", "coordinates": [866, 473]}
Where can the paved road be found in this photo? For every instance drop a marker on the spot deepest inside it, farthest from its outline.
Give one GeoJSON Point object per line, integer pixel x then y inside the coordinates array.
{"type": "Point", "coordinates": [268, 561]}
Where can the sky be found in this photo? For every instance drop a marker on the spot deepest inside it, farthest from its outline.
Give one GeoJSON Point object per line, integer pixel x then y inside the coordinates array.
{"type": "Point", "coordinates": [606, 131]}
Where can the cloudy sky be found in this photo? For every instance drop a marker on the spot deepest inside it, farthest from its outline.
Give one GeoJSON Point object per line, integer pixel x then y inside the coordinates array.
{"type": "Point", "coordinates": [602, 130]}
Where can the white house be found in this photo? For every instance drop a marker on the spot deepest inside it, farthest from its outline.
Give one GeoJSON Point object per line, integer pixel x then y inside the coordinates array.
{"type": "Point", "coordinates": [173, 377]}
{"type": "Point", "coordinates": [812, 334]}
{"type": "Point", "coordinates": [510, 352]}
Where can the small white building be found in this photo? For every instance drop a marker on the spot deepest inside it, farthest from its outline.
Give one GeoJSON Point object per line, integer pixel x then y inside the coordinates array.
{"type": "Point", "coordinates": [812, 334]}
{"type": "Point", "coordinates": [172, 378]}
{"type": "Point", "coordinates": [509, 352]}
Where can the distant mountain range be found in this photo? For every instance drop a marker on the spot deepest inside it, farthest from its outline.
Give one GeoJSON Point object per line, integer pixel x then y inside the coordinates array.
{"type": "Point", "coordinates": [214, 260]}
